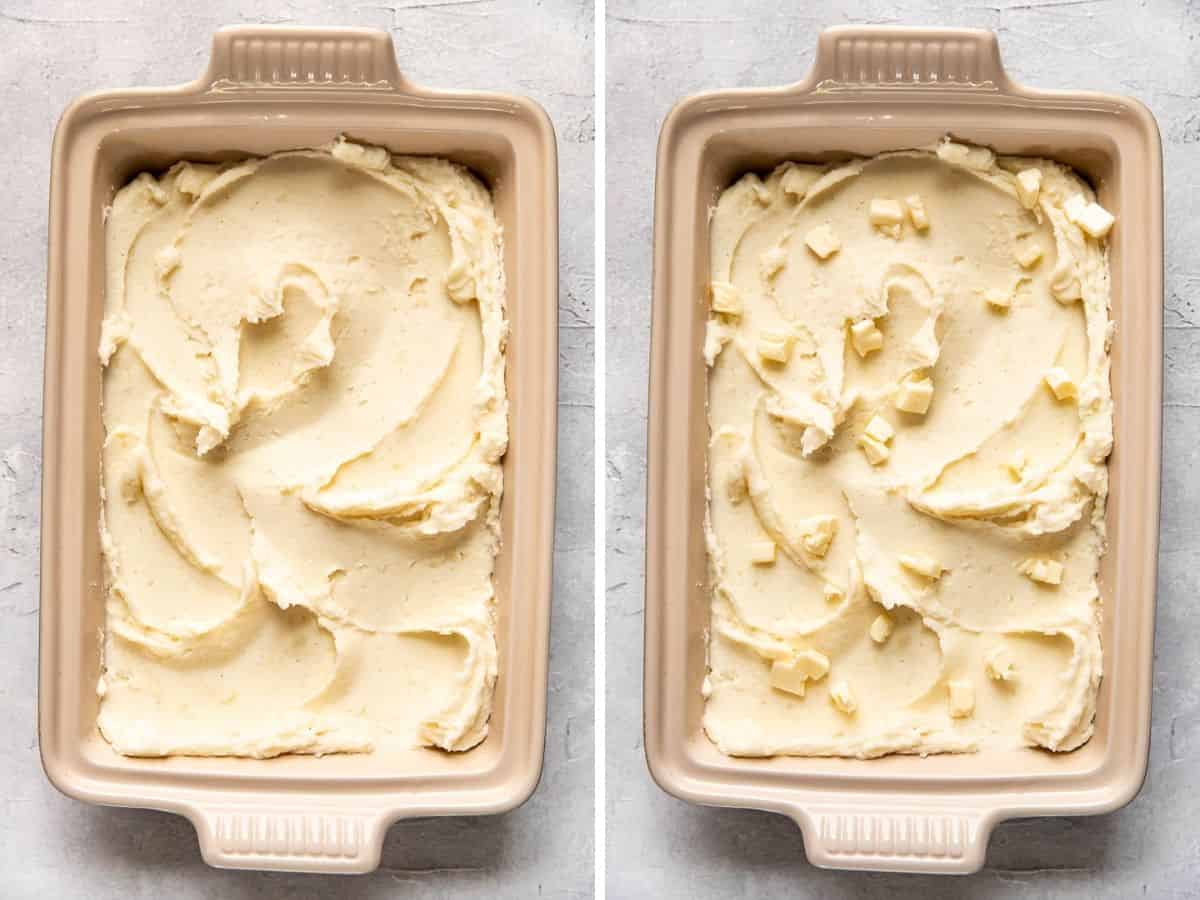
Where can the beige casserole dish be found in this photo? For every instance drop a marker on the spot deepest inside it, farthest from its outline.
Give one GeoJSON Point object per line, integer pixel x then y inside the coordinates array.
{"type": "Point", "coordinates": [872, 90]}
{"type": "Point", "coordinates": [271, 89]}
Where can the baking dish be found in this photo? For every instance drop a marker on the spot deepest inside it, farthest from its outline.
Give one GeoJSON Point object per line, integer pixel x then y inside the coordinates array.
{"type": "Point", "coordinates": [871, 90]}
{"type": "Point", "coordinates": [270, 89]}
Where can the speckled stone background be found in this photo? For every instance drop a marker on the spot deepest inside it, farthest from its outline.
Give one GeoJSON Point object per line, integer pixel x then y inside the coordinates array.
{"type": "Point", "coordinates": [50, 52]}
{"type": "Point", "coordinates": [659, 52]}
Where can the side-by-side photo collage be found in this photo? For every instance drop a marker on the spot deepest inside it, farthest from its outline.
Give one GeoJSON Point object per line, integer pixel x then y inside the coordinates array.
{"type": "Point", "coordinates": [568, 449]}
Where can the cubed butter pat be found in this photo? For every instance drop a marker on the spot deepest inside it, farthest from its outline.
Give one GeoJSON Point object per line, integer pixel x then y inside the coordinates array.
{"type": "Point", "coordinates": [842, 697]}
{"type": "Point", "coordinates": [796, 182]}
{"type": "Point", "coordinates": [1096, 221]}
{"type": "Point", "coordinates": [1074, 207]}
{"type": "Point", "coordinates": [876, 452]}
{"type": "Point", "coordinates": [999, 665]}
{"type": "Point", "coordinates": [725, 298]}
{"type": "Point", "coordinates": [775, 346]}
{"type": "Point", "coordinates": [865, 337]}
{"type": "Point", "coordinates": [917, 213]}
{"type": "Point", "coordinates": [1043, 571]}
{"type": "Point", "coordinates": [192, 180]}
{"type": "Point", "coordinates": [1060, 384]}
{"type": "Point", "coordinates": [762, 553]}
{"type": "Point", "coordinates": [914, 395]}
{"type": "Point", "coordinates": [881, 628]}
{"type": "Point", "coordinates": [1029, 254]}
{"type": "Point", "coordinates": [978, 158]}
{"type": "Point", "coordinates": [923, 565]}
{"type": "Point", "coordinates": [823, 242]}
{"type": "Point", "coordinates": [817, 533]}
{"type": "Point", "coordinates": [773, 262]}
{"type": "Point", "coordinates": [998, 298]}
{"type": "Point", "coordinates": [1093, 218]}
{"type": "Point", "coordinates": [879, 429]}
{"type": "Point", "coordinates": [1029, 186]}
{"type": "Point", "coordinates": [885, 213]}
{"type": "Point", "coordinates": [792, 675]}
{"type": "Point", "coordinates": [962, 698]}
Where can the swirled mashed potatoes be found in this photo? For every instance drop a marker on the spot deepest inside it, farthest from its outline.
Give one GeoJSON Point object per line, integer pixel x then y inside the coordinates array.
{"type": "Point", "coordinates": [910, 420]}
{"type": "Point", "coordinates": [304, 415]}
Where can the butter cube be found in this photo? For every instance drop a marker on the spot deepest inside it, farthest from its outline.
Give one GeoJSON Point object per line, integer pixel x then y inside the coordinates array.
{"type": "Point", "coordinates": [796, 182]}
{"type": "Point", "coordinates": [999, 665]}
{"type": "Point", "coordinates": [881, 628]}
{"type": "Point", "coordinates": [1043, 571]}
{"type": "Point", "coordinates": [775, 346]}
{"type": "Point", "coordinates": [1097, 221]}
{"type": "Point", "coordinates": [865, 337]}
{"type": "Point", "coordinates": [879, 429]}
{"type": "Point", "coordinates": [1028, 254]}
{"type": "Point", "coordinates": [773, 262]}
{"type": "Point", "coordinates": [191, 180]}
{"type": "Point", "coordinates": [884, 212]}
{"type": "Point", "coordinates": [978, 158]}
{"type": "Point", "coordinates": [1029, 186]}
{"type": "Point", "coordinates": [920, 564]}
{"type": "Point", "coordinates": [792, 675]}
{"type": "Point", "coordinates": [914, 395]}
{"type": "Point", "coordinates": [1060, 384]}
{"type": "Point", "coordinates": [1093, 218]}
{"type": "Point", "coordinates": [997, 298]}
{"type": "Point", "coordinates": [842, 697]}
{"type": "Point", "coordinates": [875, 451]}
{"type": "Point", "coordinates": [962, 698]}
{"type": "Point", "coordinates": [762, 553]}
{"type": "Point", "coordinates": [823, 242]}
{"type": "Point", "coordinates": [917, 212]}
{"type": "Point", "coordinates": [1074, 207]}
{"type": "Point", "coordinates": [725, 298]}
{"type": "Point", "coordinates": [817, 534]}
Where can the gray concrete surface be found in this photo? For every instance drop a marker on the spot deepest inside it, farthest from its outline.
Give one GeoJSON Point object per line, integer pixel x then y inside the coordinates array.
{"type": "Point", "coordinates": [52, 847]}
{"type": "Point", "coordinates": [660, 51]}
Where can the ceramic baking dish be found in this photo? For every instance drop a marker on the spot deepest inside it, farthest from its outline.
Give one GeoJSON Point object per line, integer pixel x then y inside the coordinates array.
{"type": "Point", "coordinates": [871, 90]}
{"type": "Point", "coordinates": [270, 89]}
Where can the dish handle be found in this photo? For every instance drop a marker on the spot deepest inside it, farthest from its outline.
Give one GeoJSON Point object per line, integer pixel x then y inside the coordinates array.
{"type": "Point", "coordinates": [291, 838]}
{"type": "Point", "coordinates": [858, 56]}
{"type": "Point", "coordinates": [284, 56]}
{"type": "Point", "coordinates": [861, 836]}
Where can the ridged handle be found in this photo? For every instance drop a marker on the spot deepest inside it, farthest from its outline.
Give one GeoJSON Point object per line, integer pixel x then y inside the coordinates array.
{"type": "Point", "coordinates": [290, 840]}
{"type": "Point", "coordinates": [949, 841]}
{"type": "Point", "coordinates": [283, 56]}
{"type": "Point", "coordinates": [862, 56]}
